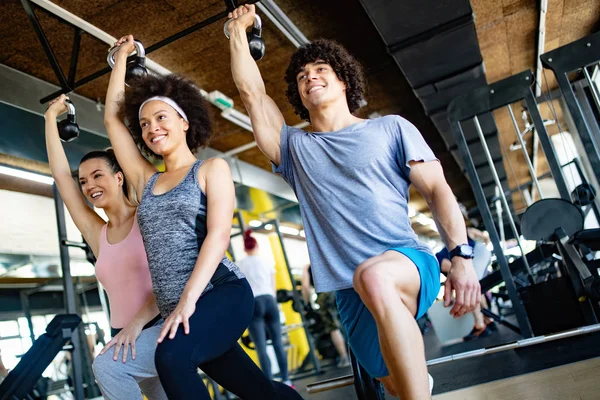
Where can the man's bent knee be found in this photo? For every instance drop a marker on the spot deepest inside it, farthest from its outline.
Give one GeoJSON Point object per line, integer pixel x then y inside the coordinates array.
{"type": "Point", "coordinates": [370, 277]}
{"type": "Point", "coordinates": [389, 276]}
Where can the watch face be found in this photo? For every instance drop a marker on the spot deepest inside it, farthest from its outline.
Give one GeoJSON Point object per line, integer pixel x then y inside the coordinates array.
{"type": "Point", "coordinates": [466, 250]}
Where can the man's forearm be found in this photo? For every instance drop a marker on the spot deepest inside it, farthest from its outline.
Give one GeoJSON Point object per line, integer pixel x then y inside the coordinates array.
{"type": "Point", "coordinates": [244, 70]}
{"type": "Point", "coordinates": [306, 295]}
{"type": "Point", "coordinates": [448, 217]}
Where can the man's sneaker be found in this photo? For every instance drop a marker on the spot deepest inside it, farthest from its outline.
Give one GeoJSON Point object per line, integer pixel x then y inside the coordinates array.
{"type": "Point", "coordinates": [430, 384]}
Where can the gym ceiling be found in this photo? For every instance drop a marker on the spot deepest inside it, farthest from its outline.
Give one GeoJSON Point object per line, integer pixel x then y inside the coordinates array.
{"type": "Point", "coordinates": [418, 56]}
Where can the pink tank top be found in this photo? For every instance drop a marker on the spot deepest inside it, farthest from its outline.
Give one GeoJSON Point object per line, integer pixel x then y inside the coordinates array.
{"type": "Point", "coordinates": [122, 268]}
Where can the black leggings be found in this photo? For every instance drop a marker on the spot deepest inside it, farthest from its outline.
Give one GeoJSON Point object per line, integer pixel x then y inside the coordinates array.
{"type": "Point", "coordinates": [221, 316]}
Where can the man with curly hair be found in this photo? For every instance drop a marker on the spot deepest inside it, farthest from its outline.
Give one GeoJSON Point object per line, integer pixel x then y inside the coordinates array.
{"type": "Point", "coordinates": [351, 177]}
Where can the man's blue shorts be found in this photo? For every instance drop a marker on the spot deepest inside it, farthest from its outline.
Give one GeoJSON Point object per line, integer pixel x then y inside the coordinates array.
{"type": "Point", "coordinates": [360, 325]}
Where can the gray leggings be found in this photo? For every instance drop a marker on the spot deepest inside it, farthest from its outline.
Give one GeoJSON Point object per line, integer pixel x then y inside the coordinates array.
{"type": "Point", "coordinates": [266, 317]}
{"type": "Point", "coordinates": [135, 378]}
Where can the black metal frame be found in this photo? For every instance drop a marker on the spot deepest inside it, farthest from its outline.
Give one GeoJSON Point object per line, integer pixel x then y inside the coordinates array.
{"type": "Point", "coordinates": [481, 101]}
{"type": "Point", "coordinates": [581, 89]}
{"type": "Point", "coordinates": [501, 320]}
{"type": "Point", "coordinates": [579, 275]}
{"type": "Point", "coordinates": [69, 293]}
{"type": "Point", "coordinates": [74, 56]}
{"type": "Point", "coordinates": [27, 310]}
{"type": "Point", "coordinates": [569, 58]}
{"type": "Point", "coordinates": [69, 84]}
{"type": "Point", "coordinates": [584, 180]}
{"type": "Point", "coordinates": [45, 45]}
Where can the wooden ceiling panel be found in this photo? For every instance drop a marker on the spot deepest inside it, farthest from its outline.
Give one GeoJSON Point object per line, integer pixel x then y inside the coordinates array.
{"type": "Point", "coordinates": [496, 60]}
{"type": "Point", "coordinates": [510, 7]}
{"type": "Point", "coordinates": [92, 56]}
{"type": "Point", "coordinates": [256, 157]}
{"type": "Point", "coordinates": [486, 11]}
{"type": "Point", "coordinates": [95, 90]}
{"type": "Point", "coordinates": [494, 50]}
{"type": "Point", "coordinates": [22, 62]}
{"type": "Point", "coordinates": [522, 61]}
{"type": "Point", "coordinates": [552, 44]}
{"type": "Point", "coordinates": [571, 5]}
{"type": "Point", "coordinates": [491, 34]}
{"type": "Point", "coordinates": [29, 52]}
{"type": "Point", "coordinates": [86, 8]}
{"type": "Point", "coordinates": [159, 20]}
{"type": "Point", "coordinates": [581, 22]}
{"type": "Point", "coordinates": [554, 21]}
{"type": "Point", "coordinates": [521, 29]}
{"type": "Point", "coordinates": [198, 9]}
{"type": "Point", "coordinates": [12, 11]}
{"type": "Point", "coordinates": [385, 85]}
{"type": "Point", "coordinates": [330, 19]}
{"type": "Point", "coordinates": [235, 138]}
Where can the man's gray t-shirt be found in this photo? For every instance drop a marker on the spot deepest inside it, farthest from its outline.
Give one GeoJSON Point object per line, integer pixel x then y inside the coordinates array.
{"type": "Point", "coordinates": [352, 186]}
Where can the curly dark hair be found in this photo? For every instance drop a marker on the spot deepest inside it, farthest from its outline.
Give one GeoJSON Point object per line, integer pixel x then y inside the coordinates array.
{"type": "Point", "coordinates": [345, 66]}
{"type": "Point", "coordinates": [181, 90]}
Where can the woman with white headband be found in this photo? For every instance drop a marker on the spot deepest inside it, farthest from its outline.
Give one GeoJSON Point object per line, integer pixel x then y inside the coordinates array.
{"type": "Point", "coordinates": [185, 219]}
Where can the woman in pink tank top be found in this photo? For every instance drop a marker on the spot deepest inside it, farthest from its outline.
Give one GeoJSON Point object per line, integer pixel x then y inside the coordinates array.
{"type": "Point", "coordinates": [121, 267]}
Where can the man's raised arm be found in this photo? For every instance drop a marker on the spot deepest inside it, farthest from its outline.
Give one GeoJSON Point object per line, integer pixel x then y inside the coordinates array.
{"type": "Point", "coordinates": [265, 116]}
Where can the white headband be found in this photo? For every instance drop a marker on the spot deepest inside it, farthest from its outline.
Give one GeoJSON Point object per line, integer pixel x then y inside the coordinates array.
{"type": "Point", "coordinates": [167, 101]}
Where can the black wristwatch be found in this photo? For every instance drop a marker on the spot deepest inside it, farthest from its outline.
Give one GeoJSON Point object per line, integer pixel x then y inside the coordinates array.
{"type": "Point", "coordinates": [462, 250]}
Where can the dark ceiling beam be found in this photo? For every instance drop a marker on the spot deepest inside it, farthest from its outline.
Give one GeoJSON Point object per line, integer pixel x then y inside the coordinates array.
{"type": "Point", "coordinates": [202, 24]}
{"type": "Point", "coordinates": [46, 46]}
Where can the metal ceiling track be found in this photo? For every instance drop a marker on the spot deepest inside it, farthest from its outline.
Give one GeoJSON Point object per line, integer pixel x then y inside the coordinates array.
{"type": "Point", "coordinates": [68, 85]}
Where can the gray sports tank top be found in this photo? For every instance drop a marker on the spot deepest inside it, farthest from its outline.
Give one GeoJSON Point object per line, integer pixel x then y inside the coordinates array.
{"type": "Point", "coordinates": [173, 226]}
